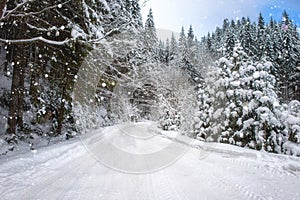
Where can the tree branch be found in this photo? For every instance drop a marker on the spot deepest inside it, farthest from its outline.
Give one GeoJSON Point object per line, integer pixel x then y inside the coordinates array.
{"type": "Point", "coordinates": [39, 12]}
{"type": "Point", "coordinates": [8, 12]}
{"type": "Point", "coordinates": [36, 39]}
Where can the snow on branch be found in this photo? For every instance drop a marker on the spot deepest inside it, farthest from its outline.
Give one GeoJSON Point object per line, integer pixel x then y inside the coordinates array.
{"type": "Point", "coordinates": [109, 33]}
{"type": "Point", "coordinates": [36, 39]}
{"type": "Point", "coordinates": [7, 13]}
{"type": "Point", "coordinates": [43, 29]}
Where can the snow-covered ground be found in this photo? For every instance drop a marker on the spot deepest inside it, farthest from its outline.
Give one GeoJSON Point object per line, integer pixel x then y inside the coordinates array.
{"type": "Point", "coordinates": [132, 161]}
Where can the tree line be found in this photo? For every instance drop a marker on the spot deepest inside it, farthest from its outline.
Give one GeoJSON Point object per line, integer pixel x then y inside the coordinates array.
{"type": "Point", "coordinates": [246, 76]}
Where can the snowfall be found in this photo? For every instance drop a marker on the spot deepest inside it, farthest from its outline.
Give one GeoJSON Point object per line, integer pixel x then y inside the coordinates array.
{"type": "Point", "coordinates": [136, 161]}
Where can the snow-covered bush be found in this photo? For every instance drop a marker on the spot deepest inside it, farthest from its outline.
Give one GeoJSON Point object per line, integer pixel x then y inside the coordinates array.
{"type": "Point", "coordinates": [88, 118]}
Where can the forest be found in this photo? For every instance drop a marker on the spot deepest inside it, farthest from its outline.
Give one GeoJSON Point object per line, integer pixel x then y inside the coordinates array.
{"type": "Point", "coordinates": [71, 66]}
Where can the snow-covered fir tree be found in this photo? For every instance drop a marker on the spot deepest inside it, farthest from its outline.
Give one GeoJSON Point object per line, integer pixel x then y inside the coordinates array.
{"type": "Point", "coordinates": [150, 36]}
{"type": "Point", "coordinates": [239, 104]}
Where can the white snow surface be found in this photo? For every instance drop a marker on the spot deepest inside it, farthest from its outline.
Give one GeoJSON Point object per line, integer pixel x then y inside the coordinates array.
{"type": "Point", "coordinates": [205, 171]}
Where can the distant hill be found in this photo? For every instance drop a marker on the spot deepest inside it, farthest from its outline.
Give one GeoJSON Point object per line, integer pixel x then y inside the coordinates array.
{"type": "Point", "coordinates": [164, 34]}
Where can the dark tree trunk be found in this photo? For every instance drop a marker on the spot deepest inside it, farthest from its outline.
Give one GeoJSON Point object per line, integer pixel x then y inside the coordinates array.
{"type": "Point", "coordinates": [61, 113]}
{"type": "Point", "coordinates": [2, 5]}
{"type": "Point", "coordinates": [16, 107]}
{"type": "Point", "coordinates": [21, 95]}
{"type": "Point", "coordinates": [34, 72]}
{"type": "Point", "coordinates": [14, 101]}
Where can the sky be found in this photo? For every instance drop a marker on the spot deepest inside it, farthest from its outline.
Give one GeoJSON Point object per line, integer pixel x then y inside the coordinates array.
{"type": "Point", "coordinates": [206, 15]}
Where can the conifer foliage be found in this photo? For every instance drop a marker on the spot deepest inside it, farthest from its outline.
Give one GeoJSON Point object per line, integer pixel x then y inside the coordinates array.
{"type": "Point", "coordinates": [242, 100]}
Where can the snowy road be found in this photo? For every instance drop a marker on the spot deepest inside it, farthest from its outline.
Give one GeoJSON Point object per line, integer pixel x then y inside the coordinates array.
{"type": "Point", "coordinates": [76, 170]}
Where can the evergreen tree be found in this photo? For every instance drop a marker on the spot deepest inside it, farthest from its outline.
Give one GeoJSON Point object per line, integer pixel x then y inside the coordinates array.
{"type": "Point", "coordinates": [150, 36]}
{"type": "Point", "coordinates": [248, 38]}
{"type": "Point", "coordinates": [290, 54]}
{"type": "Point", "coordinates": [230, 40]}
{"type": "Point", "coordinates": [161, 52]}
{"type": "Point", "coordinates": [136, 13]}
{"type": "Point", "coordinates": [190, 34]}
{"type": "Point", "coordinates": [251, 107]}
{"type": "Point", "coordinates": [270, 52]}
{"type": "Point", "coordinates": [225, 25]}
{"type": "Point", "coordinates": [173, 48]}
{"type": "Point", "coordinates": [209, 44]}
{"type": "Point", "coordinates": [260, 49]}
{"type": "Point", "coordinates": [182, 38]}
{"type": "Point", "coordinates": [167, 52]}
{"type": "Point", "coordinates": [184, 56]}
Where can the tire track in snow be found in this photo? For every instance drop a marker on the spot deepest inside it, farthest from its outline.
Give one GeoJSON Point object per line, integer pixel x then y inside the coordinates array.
{"type": "Point", "coordinates": [244, 190]}
{"type": "Point", "coordinates": [162, 188]}
{"type": "Point", "coordinates": [74, 180]}
{"type": "Point", "coordinates": [250, 160]}
{"type": "Point", "coordinates": [216, 182]}
{"type": "Point", "coordinates": [30, 172]}
{"type": "Point", "coordinates": [162, 191]}
{"type": "Point", "coordinates": [179, 194]}
{"type": "Point", "coordinates": [142, 187]}
{"type": "Point", "coordinates": [253, 167]}
{"type": "Point", "coordinates": [89, 180]}
{"type": "Point", "coordinates": [264, 167]}
{"type": "Point", "coordinates": [234, 157]}
{"type": "Point", "coordinates": [54, 186]}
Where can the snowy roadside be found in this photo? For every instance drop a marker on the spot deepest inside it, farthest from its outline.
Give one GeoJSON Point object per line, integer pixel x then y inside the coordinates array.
{"type": "Point", "coordinates": [273, 162]}
{"type": "Point", "coordinates": [69, 171]}
{"type": "Point", "coordinates": [20, 171]}
{"type": "Point", "coordinates": [62, 152]}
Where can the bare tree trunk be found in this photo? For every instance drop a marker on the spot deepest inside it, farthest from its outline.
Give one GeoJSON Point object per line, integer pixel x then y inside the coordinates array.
{"type": "Point", "coordinates": [2, 5]}
{"type": "Point", "coordinates": [61, 113]}
{"type": "Point", "coordinates": [14, 100]}
{"type": "Point", "coordinates": [34, 73]}
{"type": "Point", "coordinates": [21, 95]}
{"type": "Point", "coordinates": [16, 107]}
